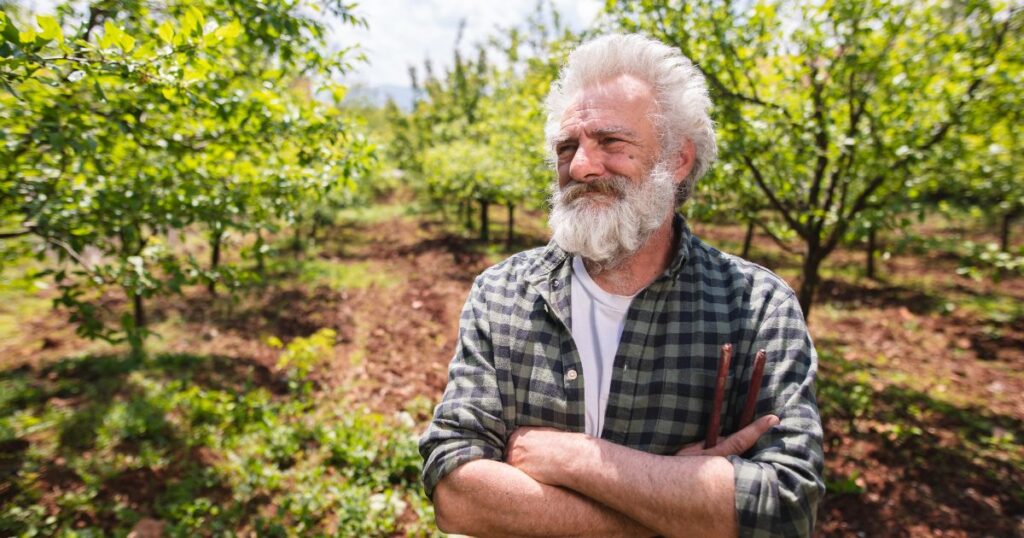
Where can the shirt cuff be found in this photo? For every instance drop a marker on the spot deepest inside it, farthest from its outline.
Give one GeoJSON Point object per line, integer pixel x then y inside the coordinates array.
{"type": "Point", "coordinates": [754, 506]}
{"type": "Point", "coordinates": [447, 456]}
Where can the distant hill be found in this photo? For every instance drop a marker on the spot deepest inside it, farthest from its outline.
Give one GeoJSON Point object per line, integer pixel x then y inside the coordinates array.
{"type": "Point", "coordinates": [379, 95]}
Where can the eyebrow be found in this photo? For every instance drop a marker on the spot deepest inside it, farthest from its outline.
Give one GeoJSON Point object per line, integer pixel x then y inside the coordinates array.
{"type": "Point", "coordinates": [602, 131]}
{"type": "Point", "coordinates": [615, 130]}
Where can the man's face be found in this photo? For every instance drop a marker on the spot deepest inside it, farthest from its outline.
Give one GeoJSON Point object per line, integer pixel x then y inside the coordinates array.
{"type": "Point", "coordinates": [607, 130]}
{"type": "Point", "coordinates": [613, 190]}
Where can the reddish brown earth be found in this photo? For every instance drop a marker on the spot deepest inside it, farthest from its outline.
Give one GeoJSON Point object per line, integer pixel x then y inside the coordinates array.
{"type": "Point", "coordinates": [913, 456]}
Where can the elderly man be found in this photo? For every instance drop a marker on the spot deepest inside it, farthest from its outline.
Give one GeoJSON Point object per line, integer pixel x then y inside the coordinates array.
{"type": "Point", "coordinates": [585, 370]}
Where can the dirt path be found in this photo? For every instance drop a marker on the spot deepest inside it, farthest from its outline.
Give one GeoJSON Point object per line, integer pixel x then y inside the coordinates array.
{"type": "Point", "coordinates": [921, 377]}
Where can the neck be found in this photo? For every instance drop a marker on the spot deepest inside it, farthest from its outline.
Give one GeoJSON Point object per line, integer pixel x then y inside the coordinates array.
{"type": "Point", "coordinates": [638, 270]}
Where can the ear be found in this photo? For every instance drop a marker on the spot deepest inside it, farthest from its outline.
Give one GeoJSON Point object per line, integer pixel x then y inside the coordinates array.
{"type": "Point", "coordinates": [685, 159]}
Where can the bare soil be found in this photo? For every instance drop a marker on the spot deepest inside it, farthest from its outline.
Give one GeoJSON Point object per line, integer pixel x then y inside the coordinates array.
{"type": "Point", "coordinates": [934, 451]}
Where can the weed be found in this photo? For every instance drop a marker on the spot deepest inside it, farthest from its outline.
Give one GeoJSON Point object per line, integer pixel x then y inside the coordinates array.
{"type": "Point", "coordinates": [153, 440]}
{"type": "Point", "coordinates": [850, 485]}
{"type": "Point", "coordinates": [345, 275]}
{"type": "Point", "coordinates": [302, 354]}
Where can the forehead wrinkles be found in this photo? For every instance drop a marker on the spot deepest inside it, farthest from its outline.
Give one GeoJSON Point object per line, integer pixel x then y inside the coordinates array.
{"type": "Point", "coordinates": [620, 103]}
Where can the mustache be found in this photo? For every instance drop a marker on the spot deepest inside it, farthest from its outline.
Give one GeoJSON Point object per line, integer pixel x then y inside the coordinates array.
{"type": "Point", "coordinates": [616, 186]}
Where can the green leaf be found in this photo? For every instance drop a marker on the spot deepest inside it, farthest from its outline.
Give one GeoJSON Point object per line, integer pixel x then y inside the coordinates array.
{"type": "Point", "coordinates": [188, 23]}
{"type": "Point", "coordinates": [229, 31]}
{"type": "Point", "coordinates": [27, 36]}
{"type": "Point", "coordinates": [7, 28]}
{"type": "Point", "coordinates": [166, 32]}
{"type": "Point", "coordinates": [338, 91]}
{"type": "Point", "coordinates": [111, 35]}
{"type": "Point", "coordinates": [127, 42]}
{"type": "Point", "coordinates": [51, 29]}
{"type": "Point", "coordinates": [198, 16]}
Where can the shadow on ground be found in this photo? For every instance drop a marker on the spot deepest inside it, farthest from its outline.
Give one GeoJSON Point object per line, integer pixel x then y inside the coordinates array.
{"type": "Point", "coordinates": [902, 463]}
{"type": "Point", "coordinates": [847, 294]}
{"type": "Point", "coordinates": [105, 423]}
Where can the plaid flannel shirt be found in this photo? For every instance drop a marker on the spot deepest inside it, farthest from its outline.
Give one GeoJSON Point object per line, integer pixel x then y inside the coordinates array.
{"type": "Point", "coordinates": [516, 365]}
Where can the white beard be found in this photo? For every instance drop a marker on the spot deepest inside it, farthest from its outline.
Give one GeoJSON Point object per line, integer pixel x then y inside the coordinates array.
{"type": "Point", "coordinates": [608, 231]}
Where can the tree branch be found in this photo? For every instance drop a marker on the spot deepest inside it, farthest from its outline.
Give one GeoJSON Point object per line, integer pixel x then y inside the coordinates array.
{"type": "Point", "coordinates": [939, 132]}
{"type": "Point", "coordinates": [716, 82]}
{"type": "Point", "coordinates": [775, 202]}
{"type": "Point", "coordinates": [19, 233]}
{"type": "Point", "coordinates": [821, 138]}
{"type": "Point", "coordinates": [72, 253]}
{"type": "Point", "coordinates": [778, 241]}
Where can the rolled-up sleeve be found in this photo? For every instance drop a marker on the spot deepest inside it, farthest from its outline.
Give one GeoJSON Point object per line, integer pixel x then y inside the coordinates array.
{"type": "Point", "coordinates": [778, 482]}
{"type": "Point", "coordinates": [467, 424]}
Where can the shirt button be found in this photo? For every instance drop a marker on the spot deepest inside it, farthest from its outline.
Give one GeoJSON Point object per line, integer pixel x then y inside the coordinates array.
{"type": "Point", "coordinates": [571, 375]}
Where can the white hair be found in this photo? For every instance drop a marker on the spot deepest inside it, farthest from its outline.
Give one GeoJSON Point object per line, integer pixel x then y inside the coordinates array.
{"type": "Point", "coordinates": [681, 94]}
{"type": "Point", "coordinates": [608, 234]}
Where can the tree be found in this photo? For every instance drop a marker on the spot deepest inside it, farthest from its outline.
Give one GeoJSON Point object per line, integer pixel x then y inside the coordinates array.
{"type": "Point", "coordinates": [828, 109]}
{"type": "Point", "coordinates": [476, 134]}
{"type": "Point", "coordinates": [984, 167]}
{"type": "Point", "coordinates": [127, 121]}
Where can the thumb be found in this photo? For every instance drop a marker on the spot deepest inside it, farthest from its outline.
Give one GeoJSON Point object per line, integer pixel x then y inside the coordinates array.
{"type": "Point", "coordinates": [742, 440]}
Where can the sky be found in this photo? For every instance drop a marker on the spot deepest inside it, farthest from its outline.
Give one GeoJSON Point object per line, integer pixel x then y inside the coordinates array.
{"type": "Point", "coordinates": [401, 33]}
{"type": "Point", "coordinates": [405, 32]}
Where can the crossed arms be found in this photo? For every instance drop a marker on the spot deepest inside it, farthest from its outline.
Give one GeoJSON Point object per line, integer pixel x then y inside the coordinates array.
{"type": "Point", "coordinates": [488, 478]}
{"type": "Point", "coordinates": [556, 483]}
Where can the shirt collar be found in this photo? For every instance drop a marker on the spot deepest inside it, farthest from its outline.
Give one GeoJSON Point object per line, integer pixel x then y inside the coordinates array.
{"type": "Point", "coordinates": [685, 239]}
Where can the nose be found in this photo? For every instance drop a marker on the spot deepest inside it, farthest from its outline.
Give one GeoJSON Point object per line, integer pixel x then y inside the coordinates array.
{"type": "Point", "coordinates": [587, 163]}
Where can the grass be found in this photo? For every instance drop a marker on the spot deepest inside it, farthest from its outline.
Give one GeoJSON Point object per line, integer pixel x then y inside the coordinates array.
{"type": "Point", "coordinates": [349, 275]}
{"type": "Point", "coordinates": [373, 213]}
{"type": "Point", "coordinates": [192, 441]}
{"type": "Point", "coordinates": [20, 298]}
{"type": "Point", "coordinates": [92, 445]}
{"type": "Point", "coordinates": [900, 405]}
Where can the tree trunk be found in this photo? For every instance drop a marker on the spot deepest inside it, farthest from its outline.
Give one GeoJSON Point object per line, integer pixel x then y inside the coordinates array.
{"type": "Point", "coordinates": [1004, 231]}
{"type": "Point", "coordinates": [748, 239]}
{"type": "Point", "coordinates": [139, 311]}
{"type": "Point", "coordinates": [810, 278]}
{"type": "Point", "coordinates": [297, 237]}
{"type": "Point", "coordinates": [485, 234]}
{"type": "Point", "coordinates": [443, 209]}
{"type": "Point", "coordinates": [215, 241]}
{"type": "Point", "coordinates": [511, 226]}
{"type": "Point", "coordinates": [466, 210]}
{"type": "Point", "coordinates": [872, 247]}
{"type": "Point", "coordinates": [261, 267]}
{"type": "Point", "coordinates": [137, 333]}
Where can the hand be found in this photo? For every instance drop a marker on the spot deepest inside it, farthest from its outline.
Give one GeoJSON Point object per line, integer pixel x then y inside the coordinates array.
{"type": "Point", "coordinates": [736, 443]}
{"type": "Point", "coordinates": [540, 452]}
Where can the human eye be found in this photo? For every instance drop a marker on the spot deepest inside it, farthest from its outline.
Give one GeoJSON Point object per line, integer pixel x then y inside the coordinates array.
{"type": "Point", "coordinates": [565, 149]}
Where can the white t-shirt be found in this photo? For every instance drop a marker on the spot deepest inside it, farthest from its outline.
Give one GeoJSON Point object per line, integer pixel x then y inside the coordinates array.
{"type": "Point", "coordinates": [598, 318]}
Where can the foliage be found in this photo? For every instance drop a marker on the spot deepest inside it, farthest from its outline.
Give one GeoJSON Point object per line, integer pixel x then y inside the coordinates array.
{"type": "Point", "coordinates": [989, 260]}
{"type": "Point", "coordinates": [830, 111]}
{"type": "Point", "coordinates": [476, 133]}
{"type": "Point", "coordinates": [130, 123]}
{"type": "Point", "coordinates": [303, 354]}
{"type": "Point", "coordinates": [981, 170]}
{"type": "Point", "coordinates": [174, 439]}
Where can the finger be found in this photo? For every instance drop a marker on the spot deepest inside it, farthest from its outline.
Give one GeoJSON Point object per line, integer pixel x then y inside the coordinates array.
{"type": "Point", "coordinates": [742, 440]}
